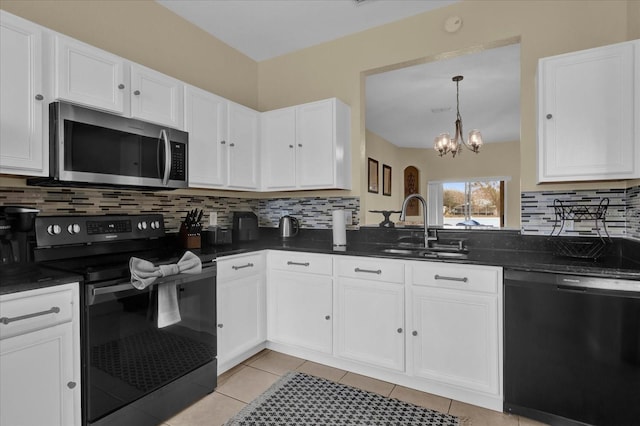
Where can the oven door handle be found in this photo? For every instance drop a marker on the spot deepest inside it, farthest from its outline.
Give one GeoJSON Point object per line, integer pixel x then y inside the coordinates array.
{"type": "Point", "coordinates": [207, 272]}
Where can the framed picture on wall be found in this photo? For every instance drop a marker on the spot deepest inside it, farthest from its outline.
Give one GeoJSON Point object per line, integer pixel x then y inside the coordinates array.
{"type": "Point", "coordinates": [386, 180]}
{"type": "Point", "coordinates": [373, 176]}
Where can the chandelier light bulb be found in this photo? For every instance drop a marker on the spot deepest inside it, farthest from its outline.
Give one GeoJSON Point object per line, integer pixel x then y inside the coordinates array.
{"type": "Point", "coordinates": [475, 140]}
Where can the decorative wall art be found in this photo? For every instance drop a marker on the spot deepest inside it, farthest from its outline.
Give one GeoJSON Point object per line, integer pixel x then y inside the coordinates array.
{"type": "Point", "coordinates": [373, 176]}
{"type": "Point", "coordinates": [386, 180]}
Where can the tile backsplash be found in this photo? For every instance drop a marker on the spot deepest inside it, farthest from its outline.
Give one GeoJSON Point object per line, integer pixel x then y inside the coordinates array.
{"type": "Point", "coordinates": [622, 218]}
{"type": "Point", "coordinates": [313, 212]}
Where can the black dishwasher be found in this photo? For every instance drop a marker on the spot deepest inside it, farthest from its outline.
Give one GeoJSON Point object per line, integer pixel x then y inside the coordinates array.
{"type": "Point", "coordinates": [572, 348]}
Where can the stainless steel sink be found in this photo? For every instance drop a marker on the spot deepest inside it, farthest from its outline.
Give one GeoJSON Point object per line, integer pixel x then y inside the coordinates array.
{"type": "Point", "coordinates": [434, 253]}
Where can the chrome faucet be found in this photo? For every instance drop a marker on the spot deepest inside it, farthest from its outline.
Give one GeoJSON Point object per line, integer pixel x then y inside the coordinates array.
{"type": "Point", "coordinates": [403, 216]}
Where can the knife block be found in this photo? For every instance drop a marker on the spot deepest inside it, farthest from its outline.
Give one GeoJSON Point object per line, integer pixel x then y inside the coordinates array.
{"type": "Point", "coordinates": [189, 241]}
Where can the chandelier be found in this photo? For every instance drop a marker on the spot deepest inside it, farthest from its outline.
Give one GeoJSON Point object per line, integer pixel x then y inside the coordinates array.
{"type": "Point", "coordinates": [443, 142]}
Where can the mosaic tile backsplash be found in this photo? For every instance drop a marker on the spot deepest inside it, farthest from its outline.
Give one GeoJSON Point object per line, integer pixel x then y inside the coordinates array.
{"type": "Point", "coordinates": [622, 218]}
{"type": "Point", "coordinates": [313, 212]}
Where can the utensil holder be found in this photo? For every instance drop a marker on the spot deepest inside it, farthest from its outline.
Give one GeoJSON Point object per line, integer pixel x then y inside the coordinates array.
{"type": "Point", "coordinates": [189, 241]}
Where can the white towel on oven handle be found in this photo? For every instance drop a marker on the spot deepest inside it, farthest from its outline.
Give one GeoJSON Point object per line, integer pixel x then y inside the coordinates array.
{"type": "Point", "coordinates": [145, 273]}
{"type": "Point", "coordinates": [168, 308]}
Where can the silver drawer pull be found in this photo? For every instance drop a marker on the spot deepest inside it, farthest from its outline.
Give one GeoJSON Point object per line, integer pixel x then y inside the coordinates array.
{"type": "Point", "coordinates": [298, 263]}
{"type": "Point", "coordinates": [369, 271]}
{"type": "Point", "coordinates": [441, 277]}
{"type": "Point", "coordinates": [7, 320]}
{"type": "Point", "coordinates": [248, 265]}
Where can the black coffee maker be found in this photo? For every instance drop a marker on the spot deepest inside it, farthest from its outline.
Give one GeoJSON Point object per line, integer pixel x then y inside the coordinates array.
{"type": "Point", "coordinates": [17, 236]}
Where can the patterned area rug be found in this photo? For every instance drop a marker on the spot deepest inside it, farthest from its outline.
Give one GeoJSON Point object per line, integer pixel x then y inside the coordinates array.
{"type": "Point", "coordinates": [299, 399]}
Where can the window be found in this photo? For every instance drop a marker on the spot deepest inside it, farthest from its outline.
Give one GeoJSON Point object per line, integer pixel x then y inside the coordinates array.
{"type": "Point", "coordinates": [474, 202]}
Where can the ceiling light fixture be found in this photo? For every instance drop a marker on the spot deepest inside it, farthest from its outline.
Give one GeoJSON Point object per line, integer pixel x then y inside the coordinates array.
{"type": "Point", "coordinates": [443, 142]}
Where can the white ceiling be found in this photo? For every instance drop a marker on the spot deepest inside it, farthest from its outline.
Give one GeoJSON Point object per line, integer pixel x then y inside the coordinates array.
{"type": "Point", "coordinates": [264, 29]}
{"type": "Point", "coordinates": [410, 106]}
{"type": "Point", "coordinates": [399, 102]}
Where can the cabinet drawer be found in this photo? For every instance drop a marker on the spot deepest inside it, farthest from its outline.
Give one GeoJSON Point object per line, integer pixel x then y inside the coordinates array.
{"type": "Point", "coordinates": [301, 262]}
{"type": "Point", "coordinates": [456, 276]}
{"type": "Point", "coordinates": [370, 269]}
{"type": "Point", "coordinates": [232, 267]}
{"type": "Point", "coordinates": [33, 310]}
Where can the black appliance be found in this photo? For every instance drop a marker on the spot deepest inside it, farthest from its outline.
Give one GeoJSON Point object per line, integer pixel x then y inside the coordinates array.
{"type": "Point", "coordinates": [216, 236]}
{"type": "Point", "coordinates": [16, 234]}
{"type": "Point", "coordinates": [245, 226]}
{"type": "Point", "coordinates": [572, 349]}
{"type": "Point", "coordinates": [135, 372]}
{"type": "Point", "coordinates": [90, 147]}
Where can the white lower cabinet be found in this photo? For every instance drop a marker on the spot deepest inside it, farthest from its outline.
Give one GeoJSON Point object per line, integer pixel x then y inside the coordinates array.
{"type": "Point", "coordinates": [455, 332]}
{"type": "Point", "coordinates": [241, 316]}
{"type": "Point", "coordinates": [370, 312]}
{"type": "Point", "coordinates": [40, 357]}
{"type": "Point", "coordinates": [300, 300]}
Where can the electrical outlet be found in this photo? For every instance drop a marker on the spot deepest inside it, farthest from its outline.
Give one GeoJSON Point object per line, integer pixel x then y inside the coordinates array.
{"type": "Point", "coordinates": [213, 218]}
{"type": "Point", "coordinates": [348, 218]}
{"type": "Point", "coordinates": [568, 225]}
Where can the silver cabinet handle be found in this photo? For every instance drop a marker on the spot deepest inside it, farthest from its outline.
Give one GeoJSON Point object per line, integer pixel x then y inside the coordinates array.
{"type": "Point", "coordinates": [248, 265]}
{"type": "Point", "coordinates": [220, 325]}
{"type": "Point", "coordinates": [298, 263]}
{"type": "Point", "coordinates": [290, 146]}
{"type": "Point", "coordinates": [232, 144]}
{"type": "Point", "coordinates": [137, 93]}
{"type": "Point", "coordinates": [441, 277]}
{"type": "Point", "coordinates": [7, 320]}
{"type": "Point", "coordinates": [369, 271]}
{"type": "Point", "coordinates": [223, 142]}
{"type": "Point", "coordinates": [549, 116]}
{"type": "Point", "coordinates": [71, 385]}
{"type": "Point", "coordinates": [399, 330]}
{"type": "Point", "coordinates": [167, 157]}
{"type": "Point", "coordinates": [414, 333]}
{"type": "Point", "coordinates": [121, 86]}
{"type": "Point", "coordinates": [327, 317]}
{"type": "Point", "coordinates": [300, 145]}
{"type": "Point", "coordinates": [39, 97]}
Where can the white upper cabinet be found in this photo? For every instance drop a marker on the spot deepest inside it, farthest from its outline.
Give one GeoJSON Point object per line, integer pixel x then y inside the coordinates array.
{"type": "Point", "coordinates": [307, 147]}
{"type": "Point", "coordinates": [242, 160]}
{"type": "Point", "coordinates": [206, 122]}
{"type": "Point", "coordinates": [24, 100]}
{"type": "Point", "coordinates": [156, 97]}
{"type": "Point", "coordinates": [588, 114]}
{"type": "Point", "coordinates": [89, 76]}
{"type": "Point", "coordinates": [93, 77]}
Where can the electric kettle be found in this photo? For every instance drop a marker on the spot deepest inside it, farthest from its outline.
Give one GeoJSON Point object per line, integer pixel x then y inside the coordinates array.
{"type": "Point", "coordinates": [289, 226]}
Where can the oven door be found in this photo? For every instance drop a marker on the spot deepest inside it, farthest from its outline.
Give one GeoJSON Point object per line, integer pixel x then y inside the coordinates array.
{"type": "Point", "coordinates": [131, 352]}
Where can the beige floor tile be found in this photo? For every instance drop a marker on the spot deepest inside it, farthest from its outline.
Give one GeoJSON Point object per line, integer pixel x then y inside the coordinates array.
{"type": "Point", "coordinates": [213, 410]}
{"type": "Point", "coordinates": [247, 384]}
{"type": "Point", "coordinates": [367, 383]}
{"type": "Point", "coordinates": [256, 356]}
{"type": "Point", "coordinates": [321, 370]}
{"type": "Point", "coordinates": [482, 416]}
{"type": "Point", "coordinates": [422, 399]}
{"type": "Point", "coordinates": [277, 363]}
{"type": "Point", "coordinates": [230, 372]}
{"type": "Point", "coordinates": [528, 422]}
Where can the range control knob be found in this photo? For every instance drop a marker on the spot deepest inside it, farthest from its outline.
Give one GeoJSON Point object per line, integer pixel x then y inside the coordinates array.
{"type": "Point", "coordinates": [54, 229]}
{"type": "Point", "coordinates": [142, 225]}
{"type": "Point", "coordinates": [155, 224]}
{"type": "Point", "coordinates": [73, 228]}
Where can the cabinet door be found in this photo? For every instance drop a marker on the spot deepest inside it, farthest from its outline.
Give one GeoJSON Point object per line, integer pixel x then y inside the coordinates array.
{"type": "Point", "coordinates": [279, 149]}
{"type": "Point", "coordinates": [370, 322]}
{"type": "Point", "coordinates": [156, 97]}
{"type": "Point", "coordinates": [586, 115]}
{"type": "Point", "coordinates": [23, 104]}
{"type": "Point", "coordinates": [243, 147]}
{"type": "Point", "coordinates": [300, 310]}
{"type": "Point", "coordinates": [241, 316]}
{"type": "Point", "coordinates": [206, 122]}
{"type": "Point", "coordinates": [37, 373]}
{"type": "Point", "coordinates": [316, 151]}
{"type": "Point", "coordinates": [89, 76]}
{"type": "Point", "coordinates": [454, 336]}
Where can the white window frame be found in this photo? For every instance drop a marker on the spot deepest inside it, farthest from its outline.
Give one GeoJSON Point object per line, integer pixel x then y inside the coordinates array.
{"type": "Point", "coordinates": [435, 193]}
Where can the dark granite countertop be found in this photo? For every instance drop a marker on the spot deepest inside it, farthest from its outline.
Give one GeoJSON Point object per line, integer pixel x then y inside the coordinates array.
{"type": "Point", "coordinates": [529, 253]}
{"type": "Point", "coordinates": [30, 276]}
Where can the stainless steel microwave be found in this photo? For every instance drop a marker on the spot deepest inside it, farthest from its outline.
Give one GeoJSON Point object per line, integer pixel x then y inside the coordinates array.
{"type": "Point", "coordinates": [94, 148]}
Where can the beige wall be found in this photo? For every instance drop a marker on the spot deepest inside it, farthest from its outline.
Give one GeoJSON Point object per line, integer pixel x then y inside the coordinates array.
{"type": "Point", "coordinates": [544, 28]}
{"type": "Point", "coordinates": [147, 33]}
{"type": "Point", "coordinates": [384, 152]}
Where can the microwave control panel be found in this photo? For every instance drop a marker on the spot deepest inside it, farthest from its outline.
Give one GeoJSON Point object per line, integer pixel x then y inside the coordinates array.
{"type": "Point", "coordinates": [178, 161]}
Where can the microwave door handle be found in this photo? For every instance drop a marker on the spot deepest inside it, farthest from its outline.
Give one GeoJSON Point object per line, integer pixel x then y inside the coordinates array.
{"type": "Point", "coordinates": [167, 157]}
